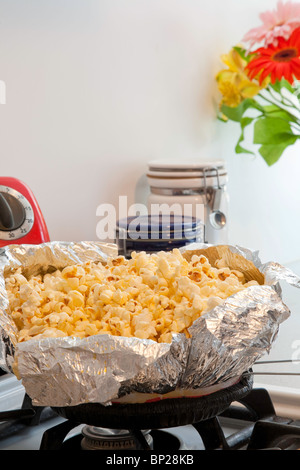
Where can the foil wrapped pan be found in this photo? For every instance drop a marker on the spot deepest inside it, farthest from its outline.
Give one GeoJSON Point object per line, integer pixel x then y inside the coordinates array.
{"type": "Point", "coordinates": [68, 371]}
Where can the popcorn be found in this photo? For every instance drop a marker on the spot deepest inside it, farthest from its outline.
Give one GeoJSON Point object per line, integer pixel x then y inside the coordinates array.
{"type": "Point", "coordinates": [150, 296]}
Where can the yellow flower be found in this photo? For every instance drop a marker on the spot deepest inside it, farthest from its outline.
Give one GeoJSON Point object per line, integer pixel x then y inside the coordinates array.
{"type": "Point", "coordinates": [234, 83]}
{"type": "Point", "coordinates": [230, 92]}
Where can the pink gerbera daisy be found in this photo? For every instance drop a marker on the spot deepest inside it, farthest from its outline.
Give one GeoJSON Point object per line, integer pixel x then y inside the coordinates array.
{"type": "Point", "coordinates": [277, 23]}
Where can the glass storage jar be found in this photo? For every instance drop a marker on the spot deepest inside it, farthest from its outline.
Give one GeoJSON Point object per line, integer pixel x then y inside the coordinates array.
{"type": "Point", "coordinates": [198, 187]}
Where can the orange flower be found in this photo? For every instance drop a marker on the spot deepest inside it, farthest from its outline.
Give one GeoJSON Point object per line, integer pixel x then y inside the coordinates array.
{"type": "Point", "coordinates": [281, 61]}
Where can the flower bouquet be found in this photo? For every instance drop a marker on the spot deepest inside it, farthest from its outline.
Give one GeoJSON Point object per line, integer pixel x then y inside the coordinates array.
{"type": "Point", "coordinates": [260, 85]}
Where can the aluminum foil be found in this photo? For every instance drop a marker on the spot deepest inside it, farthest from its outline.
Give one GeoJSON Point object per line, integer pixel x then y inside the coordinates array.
{"type": "Point", "coordinates": [68, 371]}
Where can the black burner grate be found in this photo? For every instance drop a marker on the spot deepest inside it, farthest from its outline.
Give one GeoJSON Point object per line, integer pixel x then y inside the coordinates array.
{"type": "Point", "coordinates": [263, 429]}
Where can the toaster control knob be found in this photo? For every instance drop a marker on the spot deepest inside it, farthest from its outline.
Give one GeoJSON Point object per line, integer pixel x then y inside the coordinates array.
{"type": "Point", "coordinates": [16, 214]}
{"type": "Point", "coordinates": [12, 212]}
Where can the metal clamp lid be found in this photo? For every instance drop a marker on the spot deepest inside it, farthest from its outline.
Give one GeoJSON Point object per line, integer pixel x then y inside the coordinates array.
{"type": "Point", "coordinates": [216, 217]}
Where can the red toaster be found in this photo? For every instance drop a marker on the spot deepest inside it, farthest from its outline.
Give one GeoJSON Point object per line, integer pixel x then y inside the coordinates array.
{"type": "Point", "coordinates": [21, 219]}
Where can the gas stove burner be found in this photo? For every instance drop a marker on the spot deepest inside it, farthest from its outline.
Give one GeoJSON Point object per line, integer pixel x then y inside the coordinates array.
{"type": "Point", "coordinates": [112, 439]}
{"type": "Point", "coordinates": [109, 440]}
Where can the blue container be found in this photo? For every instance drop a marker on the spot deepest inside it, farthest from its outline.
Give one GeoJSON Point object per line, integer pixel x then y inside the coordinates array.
{"type": "Point", "coordinates": [154, 233]}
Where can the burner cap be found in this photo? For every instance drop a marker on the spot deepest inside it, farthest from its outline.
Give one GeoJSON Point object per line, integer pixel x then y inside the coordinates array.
{"type": "Point", "coordinates": [95, 438]}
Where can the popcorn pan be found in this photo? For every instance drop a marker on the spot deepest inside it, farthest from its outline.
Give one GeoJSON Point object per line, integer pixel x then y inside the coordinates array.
{"type": "Point", "coordinates": [158, 414]}
{"type": "Point", "coordinates": [119, 378]}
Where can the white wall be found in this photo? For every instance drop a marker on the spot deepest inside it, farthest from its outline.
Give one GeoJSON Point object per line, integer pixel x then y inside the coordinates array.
{"type": "Point", "coordinates": [96, 88]}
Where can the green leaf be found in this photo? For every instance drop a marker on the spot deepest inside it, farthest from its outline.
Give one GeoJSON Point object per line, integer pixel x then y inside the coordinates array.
{"type": "Point", "coordinates": [272, 153]}
{"type": "Point", "coordinates": [275, 135]}
{"type": "Point", "coordinates": [236, 114]}
{"type": "Point", "coordinates": [244, 123]}
{"type": "Point", "coordinates": [221, 118]}
{"type": "Point", "coordinates": [271, 131]}
{"type": "Point", "coordinates": [240, 149]}
{"type": "Point", "coordinates": [243, 53]}
{"type": "Point", "coordinates": [275, 111]}
{"type": "Point", "coordinates": [279, 84]}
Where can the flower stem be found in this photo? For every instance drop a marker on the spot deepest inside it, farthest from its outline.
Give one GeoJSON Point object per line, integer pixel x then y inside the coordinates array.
{"type": "Point", "coordinates": [284, 99]}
